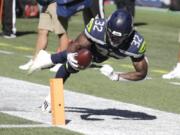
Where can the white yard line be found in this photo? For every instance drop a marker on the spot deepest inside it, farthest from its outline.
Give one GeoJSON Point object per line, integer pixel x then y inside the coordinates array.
{"type": "Point", "coordinates": [87, 114]}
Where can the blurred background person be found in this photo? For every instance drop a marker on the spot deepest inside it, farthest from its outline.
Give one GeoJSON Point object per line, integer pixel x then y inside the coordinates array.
{"type": "Point", "coordinates": [9, 19]}
{"type": "Point", "coordinates": [96, 9]}
{"type": "Point", "coordinates": [49, 22]}
{"type": "Point", "coordinates": [127, 4]}
{"type": "Point", "coordinates": [31, 9]}
{"type": "Point", "coordinates": [19, 8]}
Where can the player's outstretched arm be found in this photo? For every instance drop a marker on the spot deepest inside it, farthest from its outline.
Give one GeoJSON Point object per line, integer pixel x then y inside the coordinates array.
{"type": "Point", "coordinates": [140, 66]}
{"type": "Point", "coordinates": [141, 69]}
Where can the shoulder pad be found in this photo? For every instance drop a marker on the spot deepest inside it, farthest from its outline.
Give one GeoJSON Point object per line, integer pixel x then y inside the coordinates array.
{"type": "Point", "coordinates": [96, 30]}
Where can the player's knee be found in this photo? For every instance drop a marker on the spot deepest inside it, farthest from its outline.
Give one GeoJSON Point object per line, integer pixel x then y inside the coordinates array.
{"type": "Point", "coordinates": [43, 32]}
{"type": "Point", "coordinates": [65, 71]}
{"type": "Point", "coordinates": [70, 69]}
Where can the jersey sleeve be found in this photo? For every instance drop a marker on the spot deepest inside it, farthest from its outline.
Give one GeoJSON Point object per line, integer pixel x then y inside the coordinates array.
{"type": "Point", "coordinates": [138, 46]}
{"type": "Point", "coordinates": [95, 30]}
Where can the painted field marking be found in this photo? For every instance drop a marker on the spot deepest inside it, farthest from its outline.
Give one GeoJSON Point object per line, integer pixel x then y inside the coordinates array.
{"type": "Point", "coordinates": [6, 52]}
{"type": "Point", "coordinates": [22, 48]}
{"type": "Point", "coordinates": [85, 112]}
{"type": "Point", "coordinates": [159, 71]}
{"type": "Point", "coordinates": [175, 83]}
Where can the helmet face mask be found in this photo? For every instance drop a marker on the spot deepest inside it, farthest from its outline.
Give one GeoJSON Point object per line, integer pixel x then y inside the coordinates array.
{"type": "Point", "coordinates": [119, 27]}
{"type": "Point", "coordinates": [116, 39]}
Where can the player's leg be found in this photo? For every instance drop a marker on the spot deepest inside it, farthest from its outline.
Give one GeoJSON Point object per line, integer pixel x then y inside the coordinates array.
{"type": "Point", "coordinates": [97, 8]}
{"type": "Point", "coordinates": [175, 73]}
{"type": "Point", "coordinates": [42, 41]}
{"type": "Point", "coordinates": [87, 15]}
{"type": "Point", "coordinates": [65, 71]}
{"type": "Point", "coordinates": [8, 19]}
{"type": "Point", "coordinates": [60, 25]}
{"type": "Point", "coordinates": [63, 41]}
{"type": "Point", "coordinates": [44, 26]}
{"type": "Point", "coordinates": [120, 3]}
{"type": "Point", "coordinates": [45, 60]}
{"type": "Point", "coordinates": [130, 4]}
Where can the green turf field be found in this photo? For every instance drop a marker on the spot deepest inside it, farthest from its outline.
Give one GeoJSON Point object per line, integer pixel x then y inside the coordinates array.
{"type": "Point", "coordinates": [160, 29]}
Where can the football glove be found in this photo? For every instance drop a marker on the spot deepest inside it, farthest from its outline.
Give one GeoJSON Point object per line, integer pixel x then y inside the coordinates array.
{"type": "Point", "coordinates": [108, 71]}
{"type": "Point", "coordinates": [72, 61]}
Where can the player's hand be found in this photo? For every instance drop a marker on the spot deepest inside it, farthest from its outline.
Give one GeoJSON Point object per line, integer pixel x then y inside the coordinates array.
{"type": "Point", "coordinates": [72, 61]}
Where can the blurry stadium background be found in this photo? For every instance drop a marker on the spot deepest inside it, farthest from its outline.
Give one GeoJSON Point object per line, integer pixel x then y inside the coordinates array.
{"type": "Point", "coordinates": [174, 5]}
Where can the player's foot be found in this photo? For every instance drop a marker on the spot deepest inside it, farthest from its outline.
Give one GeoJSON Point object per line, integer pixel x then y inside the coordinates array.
{"type": "Point", "coordinates": [175, 73]}
{"type": "Point", "coordinates": [10, 36]}
{"type": "Point", "coordinates": [55, 68]}
{"type": "Point", "coordinates": [27, 65]}
{"type": "Point", "coordinates": [42, 60]}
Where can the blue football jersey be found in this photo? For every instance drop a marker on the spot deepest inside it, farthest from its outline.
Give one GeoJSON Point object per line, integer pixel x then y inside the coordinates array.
{"type": "Point", "coordinates": [134, 46]}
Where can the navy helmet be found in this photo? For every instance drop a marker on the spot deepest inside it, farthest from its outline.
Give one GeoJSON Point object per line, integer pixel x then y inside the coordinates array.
{"type": "Point", "coordinates": [119, 27]}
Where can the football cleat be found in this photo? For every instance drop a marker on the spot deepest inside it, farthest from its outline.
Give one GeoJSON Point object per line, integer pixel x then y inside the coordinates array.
{"type": "Point", "coordinates": [42, 60]}
{"type": "Point", "coordinates": [46, 105]}
{"type": "Point", "coordinates": [27, 65]}
{"type": "Point", "coordinates": [175, 73]}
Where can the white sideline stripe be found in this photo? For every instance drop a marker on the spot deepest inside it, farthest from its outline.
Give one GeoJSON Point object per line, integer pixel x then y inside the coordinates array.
{"type": "Point", "coordinates": [86, 114]}
{"type": "Point", "coordinates": [25, 126]}
{"type": "Point", "coordinates": [175, 83]}
{"type": "Point", "coordinates": [6, 52]}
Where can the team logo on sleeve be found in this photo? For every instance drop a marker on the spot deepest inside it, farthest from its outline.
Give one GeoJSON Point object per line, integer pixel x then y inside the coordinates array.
{"type": "Point", "coordinates": [143, 47]}
{"type": "Point", "coordinates": [90, 25]}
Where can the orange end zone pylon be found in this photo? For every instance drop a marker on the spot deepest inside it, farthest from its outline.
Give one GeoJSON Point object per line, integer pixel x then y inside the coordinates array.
{"type": "Point", "coordinates": [57, 102]}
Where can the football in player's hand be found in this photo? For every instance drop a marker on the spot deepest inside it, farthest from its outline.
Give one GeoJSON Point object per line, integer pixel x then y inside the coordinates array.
{"type": "Point", "coordinates": [84, 58]}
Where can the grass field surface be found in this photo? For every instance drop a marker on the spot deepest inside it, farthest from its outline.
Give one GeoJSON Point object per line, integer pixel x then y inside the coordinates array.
{"type": "Point", "coordinates": [160, 29]}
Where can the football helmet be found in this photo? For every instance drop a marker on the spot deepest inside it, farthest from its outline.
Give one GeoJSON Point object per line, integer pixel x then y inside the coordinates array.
{"type": "Point", "coordinates": [119, 27]}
